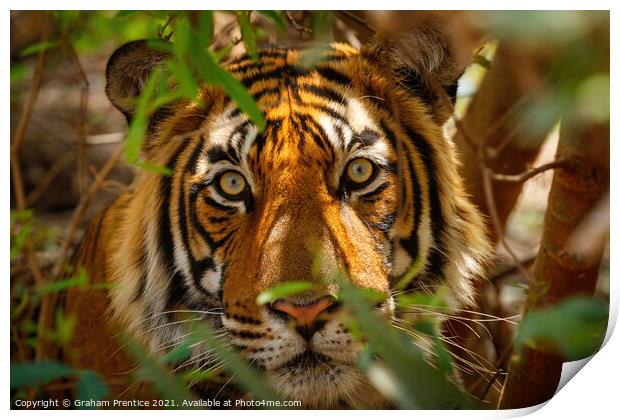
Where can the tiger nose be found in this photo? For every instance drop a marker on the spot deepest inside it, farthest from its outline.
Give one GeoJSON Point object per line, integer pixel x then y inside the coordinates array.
{"type": "Point", "coordinates": [305, 315]}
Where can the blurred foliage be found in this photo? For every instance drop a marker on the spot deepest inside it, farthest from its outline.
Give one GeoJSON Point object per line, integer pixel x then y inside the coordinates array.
{"type": "Point", "coordinates": [576, 327]}
{"type": "Point", "coordinates": [576, 44]}
{"type": "Point", "coordinates": [397, 361]}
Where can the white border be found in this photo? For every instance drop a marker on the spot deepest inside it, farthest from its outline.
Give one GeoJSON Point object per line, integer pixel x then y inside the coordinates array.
{"type": "Point", "coordinates": [592, 394]}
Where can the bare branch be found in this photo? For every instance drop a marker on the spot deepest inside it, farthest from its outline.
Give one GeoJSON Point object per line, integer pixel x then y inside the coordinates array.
{"type": "Point", "coordinates": [522, 177]}
{"type": "Point", "coordinates": [298, 27]}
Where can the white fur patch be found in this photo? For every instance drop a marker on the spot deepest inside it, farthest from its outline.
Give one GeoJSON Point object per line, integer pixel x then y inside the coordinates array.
{"type": "Point", "coordinates": [212, 279]}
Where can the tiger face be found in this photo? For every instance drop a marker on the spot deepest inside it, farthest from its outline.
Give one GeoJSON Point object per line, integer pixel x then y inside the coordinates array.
{"type": "Point", "coordinates": [351, 175]}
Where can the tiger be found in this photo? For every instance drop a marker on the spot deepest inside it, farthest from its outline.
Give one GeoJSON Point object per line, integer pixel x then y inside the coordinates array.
{"type": "Point", "coordinates": [352, 165]}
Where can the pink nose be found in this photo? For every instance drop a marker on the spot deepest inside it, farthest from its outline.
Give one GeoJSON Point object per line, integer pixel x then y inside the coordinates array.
{"type": "Point", "coordinates": [305, 315]}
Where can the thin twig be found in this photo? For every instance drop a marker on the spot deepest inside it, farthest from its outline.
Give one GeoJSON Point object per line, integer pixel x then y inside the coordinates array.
{"type": "Point", "coordinates": [490, 384]}
{"type": "Point", "coordinates": [20, 132]}
{"type": "Point", "coordinates": [81, 132]}
{"type": "Point", "coordinates": [491, 204]}
{"type": "Point", "coordinates": [16, 174]}
{"type": "Point", "coordinates": [526, 262]}
{"type": "Point", "coordinates": [223, 33]}
{"type": "Point", "coordinates": [522, 177]}
{"type": "Point", "coordinates": [48, 178]}
{"type": "Point", "coordinates": [486, 172]}
{"type": "Point", "coordinates": [162, 29]}
{"type": "Point", "coordinates": [83, 205]}
{"type": "Point", "coordinates": [296, 25]}
{"type": "Point", "coordinates": [371, 30]}
{"type": "Point", "coordinates": [49, 301]}
{"type": "Point", "coordinates": [498, 371]}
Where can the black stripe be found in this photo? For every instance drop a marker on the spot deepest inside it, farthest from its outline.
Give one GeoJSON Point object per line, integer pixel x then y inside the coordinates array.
{"type": "Point", "coordinates": [412, 243]}
{"type": "Point", "coordinates": [320, 136]}
{"type": "Point", "coordinates": [219, 206]}
{"type": "Point", "coordinates": [166, 243]}
{"type": "Point", "coordinates": [246, 334]}
{"type": "Point", "coordinates": [276, 53]}
{"type": "Point", "coordinates": [394, 143]}
{"type": "Point", "coordinates": [296, 128]}
{"type": "Point", "coordinates": [279, 73]}
{"type": "Point", "coordinates": [244, 319]}
{"type": "Point", "coordinates": [375, 192]}
{"type": "Point", "coordinates": [218, 153]}
{"type": "Point", "coordinates": [213, 244]}
{"type": "Point", "coordinates": [197, 268]}
{"type": "Point", "coordinates": [234, 113]}
{"type": "Point", "coordinates": [193, 160]}
{"type": "Point", "coordinates": [215, 220]}
{"type": "Point", "coordinates": [366, 138]}
{"type": "Point", "coordinates": [332, 113]}
{"type": "Point", "coordinates": [324, 92]}
{"type": "Point", "coordinates": [333, 76]}
{"type": "Point", "coordinates": [141, 263]}
{"type": "Point", "coordinates": [177, 292]}
{"type": "Point", "coordinates": [259, 94]}
{"type": "Point", "coordinates": [240, 131]}
{"type": "Point", "coordinates": [436, 258]}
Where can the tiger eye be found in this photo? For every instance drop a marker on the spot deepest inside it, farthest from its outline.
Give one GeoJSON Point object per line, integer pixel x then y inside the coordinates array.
{"type": "Point", "coordinates": [360, 170]}
{"type": "Point", "coordinates": [232, 184]}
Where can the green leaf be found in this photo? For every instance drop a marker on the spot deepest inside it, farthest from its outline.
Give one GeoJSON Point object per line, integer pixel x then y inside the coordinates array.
{"type": "Point", "coordinates": [21, 227]}
{"type": "Point", "coordinates": [212, 73]}
{"type": "Point", "coordinates": [444, 360]}
{"type": "Point", "coordinates": [166, 385]}
{"type": "Point", "coordinates": [419, 384]}
{"type": "Point", "coordinates": [197, 375]}
{"type": "Point", "coordinates": [65, 325]}
{"type": "Point", "coordinates": [434, 301]}
{"type": "Point", "coordinates": [80, 279]}
{"type": "Point", "coordinates": [426, 326]}
{"type": "Point", "coordinates": [139, 122]}
{"type": "Point", "coordinates": [153, 167]}
{"type": "Point", "coordinates": [243, 374]}
{"type": "Point", "coordinates": [247, 34]}
{"type": "Point", "coordinates": [575, 326]}
{"type": "Point", "coordinates": [322, 25]}
{"type": "Point", "coordinates": [182, 38]}
{"type": "Point", "coordinates": [37, 373]}
{"type": "Point", "coordinates": [38, 47]}
{"type": "Point", "coordinates": [126, 13]}
{"type": "Point", "coordinates": [283, 290]}
{"type": "Point", "coordinates": [482, 61]}
{"type": "Point", "coordinates": [164, 98]}
{"type": "Point", "coordinates": [90, 386]}
{"type": "Point", "coordinates": [205, 26]}
{"type": "Point", "coordinates": [19, 72]}
{"type": "Point", "coordinates": [181, 352]}
{"type": "Point", "coordinates": [160, 45]}
{"type": "Point", "coordinates": [241, 96]}
{"type": "Point", "coordinates": [275, 17]}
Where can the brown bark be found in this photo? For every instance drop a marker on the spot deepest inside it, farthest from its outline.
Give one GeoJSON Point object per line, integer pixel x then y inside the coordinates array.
{"type": "Point", "coordinates": [560, 272]}
{"type": "Point", "coordinates": [494, 120]}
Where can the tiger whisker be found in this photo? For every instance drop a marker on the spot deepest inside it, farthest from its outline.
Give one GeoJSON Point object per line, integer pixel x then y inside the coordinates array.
{"type": "Point", "coordinates": [479, 368]}
{"type": "Point", "coordinates": [460, 321]}
{"type": "Point", "coordinates": [491, 318]}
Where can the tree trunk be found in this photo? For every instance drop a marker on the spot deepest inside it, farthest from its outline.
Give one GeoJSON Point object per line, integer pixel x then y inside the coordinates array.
{"type": "Point", "coordinates": [559, 271]}
{"type": "Point", "coordinates": [494, 117]}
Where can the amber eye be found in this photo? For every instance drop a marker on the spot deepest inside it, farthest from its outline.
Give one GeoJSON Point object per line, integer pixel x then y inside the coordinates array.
{"type": "Point", "coordinates": [360, 171]}
{"type": "Point", "coordinates": [231, 184]}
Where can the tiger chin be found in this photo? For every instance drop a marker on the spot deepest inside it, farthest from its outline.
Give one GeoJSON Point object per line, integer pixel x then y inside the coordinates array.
{"type": "Point", "coordinates": [352, 164]}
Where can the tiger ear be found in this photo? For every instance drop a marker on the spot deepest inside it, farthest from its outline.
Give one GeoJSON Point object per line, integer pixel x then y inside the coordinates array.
{"type": "Point", "coordinates": [426, 55]}
{"type": "Point", "coordinates": [127, 72]}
